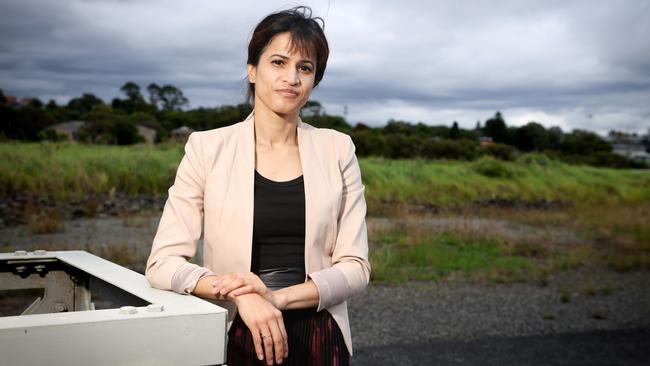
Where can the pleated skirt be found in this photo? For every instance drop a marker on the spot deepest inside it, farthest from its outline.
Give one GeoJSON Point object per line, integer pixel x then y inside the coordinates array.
{"type": "Point", "coordinates": [314, 339]}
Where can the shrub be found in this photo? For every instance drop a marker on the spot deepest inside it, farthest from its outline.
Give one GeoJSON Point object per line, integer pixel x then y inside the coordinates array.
{"type": "Point", "coordinates": [536, 159]}
{"type": "Point", "coordinates": [490, 167]}
{"type": "Point", "coordinates": [500, 151]}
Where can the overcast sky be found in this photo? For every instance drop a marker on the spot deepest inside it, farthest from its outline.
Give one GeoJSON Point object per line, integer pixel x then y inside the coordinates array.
{"type": "Point", "coordinates": [573, 64]}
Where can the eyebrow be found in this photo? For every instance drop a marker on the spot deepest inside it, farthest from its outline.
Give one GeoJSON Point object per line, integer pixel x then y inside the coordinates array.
{"type": "Point", "coordinates": [287, 57]}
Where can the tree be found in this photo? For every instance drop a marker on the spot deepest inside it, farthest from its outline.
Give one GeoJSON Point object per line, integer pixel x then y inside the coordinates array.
{"type": "Point", "coordinates": [581, 142]}
{"type": "Point", "coordinates": [132, 91]}
{"type": "Point", "coordinates": [398, 127]}
{"type": "Point", "coordinates": [454, 132]}
{"type": "Point", "coordinates": [51, 105]}
{"type": "Point", "coordinates": [154, 95]}
{"type": "Point", "coordinates": [134, 101]}
{"type": "Point", "coordinates": [24, 123]}
{"type": "Point", "coordinates": [532, 136]}
{"type": "Point", "coordinates": [125, 132]}
{"type": "Point", "coordinates": [368, 143]}
{"type": "Point", "coordinates": [495, 128]}
{"type": "Point", "coordinates": [35, 103]}
{"type": "Point", "coordinates": [105, 126]}
{"type": "Point", "coordinates": [83, 105]}
{"type": "Point", "coordinates": [167, 97]}
{"type": "Point", "coordinates": [99, 126]}
{"type": "Point", "coordinates": [555, 138]}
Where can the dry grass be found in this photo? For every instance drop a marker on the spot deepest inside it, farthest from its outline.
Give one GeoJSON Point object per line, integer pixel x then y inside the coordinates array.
{"type": "Point", "coordinates": [529, 245]}
{"type": "Point", "coordinates": [44, 221]}
{"type": "Point", "coordinates": [617, 235]}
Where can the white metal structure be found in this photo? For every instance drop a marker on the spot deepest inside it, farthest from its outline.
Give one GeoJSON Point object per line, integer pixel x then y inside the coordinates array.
{"type": "Point", "coordinates": [148, 327]}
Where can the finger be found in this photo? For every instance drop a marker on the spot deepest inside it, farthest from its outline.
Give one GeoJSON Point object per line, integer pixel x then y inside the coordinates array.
{"type": "Point", "coordinates": [247, 289]}
{"type": "Point", "coordinates": [278, 340]}
{"type": "Point", "coordinates": [257, 342]}
{"type": "Point", "coordinates": [231, 285]}
{"type": "Point", "coordinates": [267, 340]}
{"type": "Point", "coordinates": [285, 338]}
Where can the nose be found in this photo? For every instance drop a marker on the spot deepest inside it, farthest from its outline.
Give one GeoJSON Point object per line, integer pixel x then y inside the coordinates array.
{"type": "Point", "coordinates": [292, 76]}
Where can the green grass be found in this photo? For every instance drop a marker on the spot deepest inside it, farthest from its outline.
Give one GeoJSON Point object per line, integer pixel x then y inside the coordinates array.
{"type": "Point", "coordinates": [608, 209]}
{"type": "Point", "coordinates": [67, 171]}
{"type": "Point", "coordinates": [394, 259]}
{"type": "Point", "coordinates": [71, 171]}
{"type": "Point", "coordinates": [455, 184]}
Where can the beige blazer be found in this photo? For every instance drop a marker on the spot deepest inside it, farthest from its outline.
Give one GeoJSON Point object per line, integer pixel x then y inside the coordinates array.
{"type": "Point", "coordinates": [213, 193]}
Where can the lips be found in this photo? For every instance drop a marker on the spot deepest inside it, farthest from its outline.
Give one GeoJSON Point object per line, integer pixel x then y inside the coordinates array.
{"type": "Point", "coordinates": [288, 92]}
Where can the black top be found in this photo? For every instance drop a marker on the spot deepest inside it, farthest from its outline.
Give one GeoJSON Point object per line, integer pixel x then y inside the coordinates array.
{"type": "Point", "coordinates": [279, 225]}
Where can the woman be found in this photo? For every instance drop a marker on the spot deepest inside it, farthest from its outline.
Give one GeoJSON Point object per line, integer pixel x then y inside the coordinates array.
{"type": "Point", "coordinates": [283, 211]}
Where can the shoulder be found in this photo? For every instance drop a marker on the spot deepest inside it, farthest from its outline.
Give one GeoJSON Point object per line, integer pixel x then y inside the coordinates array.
{"type": "Point", "coordinates": [333, 140]}
{"type": "Point", "coordinates": [216, 133]}
{"type": "Point", "coordinates": [210, 143]}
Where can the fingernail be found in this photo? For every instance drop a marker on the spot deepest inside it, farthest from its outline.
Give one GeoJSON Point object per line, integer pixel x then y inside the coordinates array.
{"type": "Point", "coordinates": [260, 357]}
{"type": "Point", "coordinates": [236, 293]}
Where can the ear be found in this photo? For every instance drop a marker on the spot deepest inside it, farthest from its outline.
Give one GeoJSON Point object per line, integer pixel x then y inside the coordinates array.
{"type": "Point", "coordinates": [252, 73]}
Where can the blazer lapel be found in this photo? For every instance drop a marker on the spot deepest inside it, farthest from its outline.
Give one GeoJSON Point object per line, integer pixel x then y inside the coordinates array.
{"type": "Point", "coordinates": [241, 193]}
{"type": "Point", "coordinates": [316, 194]}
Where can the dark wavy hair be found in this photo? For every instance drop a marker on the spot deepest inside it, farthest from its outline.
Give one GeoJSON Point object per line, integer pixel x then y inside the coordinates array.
{"type": "Point", "coordinates": [307, 38]}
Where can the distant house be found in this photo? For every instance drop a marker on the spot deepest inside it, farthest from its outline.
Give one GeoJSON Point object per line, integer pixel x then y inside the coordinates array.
{"type": "Point", "coordinates": [68, 129]}
{"type": "Point", "coordinates": [147, 133]}
{"type": "Point", "coordinates": [485, 141]}
{"type": "Point", "coordinates": [14, 102]}
{"type": "Point", "coordinates": [629, 145]}
{"type": "Point", "coordinates": [181, 134]}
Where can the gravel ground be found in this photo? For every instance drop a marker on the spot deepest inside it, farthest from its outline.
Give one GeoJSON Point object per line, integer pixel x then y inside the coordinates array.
{"type": "Point", "coordinates": [461, 323]}
{"type": "Point", "coordinates": [585, 317]}
{"type": "Point", "coordinates": [593, 348]}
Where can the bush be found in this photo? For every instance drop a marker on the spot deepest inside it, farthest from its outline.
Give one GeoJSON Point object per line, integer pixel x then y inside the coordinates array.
{"type": "Point", "coordinates": [490, 167]}
{"type": "Point", "coordinates": [612, 160]}
{"type": "Point", "coordinates": [450, 149]}
{"type": "Point", "coordinates": [499, 151]}
{"type": "Point", "coordinates": [536, 159]}
{"type": "Point", "coordinates": [49, 134]}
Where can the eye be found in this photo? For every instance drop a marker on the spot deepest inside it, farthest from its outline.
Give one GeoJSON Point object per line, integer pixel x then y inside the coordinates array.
{"type": "Point", "coordinates": [305, 68]}
{"type": "Point", "coordinates": [277, 62]}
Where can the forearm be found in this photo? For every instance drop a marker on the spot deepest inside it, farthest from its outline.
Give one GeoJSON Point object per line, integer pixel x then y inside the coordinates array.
{"type": "Point", "coordinates": [304, 295]}
{"type": "Point", "coordinates": [204, 288]}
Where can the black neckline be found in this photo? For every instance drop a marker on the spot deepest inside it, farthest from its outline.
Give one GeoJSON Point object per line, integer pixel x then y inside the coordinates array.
{"type": "Point", "coordinates": [295, 181]}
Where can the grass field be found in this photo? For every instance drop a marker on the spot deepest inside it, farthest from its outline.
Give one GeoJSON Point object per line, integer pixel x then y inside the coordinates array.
{"type": "Point", "coordinates": [511, 245]}
{"type": "Point", "coordinates": [595, 217]}
{"type": "Point", "coordinates": [66, 171]}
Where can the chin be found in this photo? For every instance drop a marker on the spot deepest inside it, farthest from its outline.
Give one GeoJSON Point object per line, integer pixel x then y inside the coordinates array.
{"type": "Point", "coordinates": [286, 110]}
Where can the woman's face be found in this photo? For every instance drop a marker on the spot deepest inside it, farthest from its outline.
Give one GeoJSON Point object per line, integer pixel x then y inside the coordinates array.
{"type": "Point", "coordinates": [283, 80]}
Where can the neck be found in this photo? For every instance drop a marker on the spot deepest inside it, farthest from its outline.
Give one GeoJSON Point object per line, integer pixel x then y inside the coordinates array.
{"type": "Point", "coordinates": [272, 129]}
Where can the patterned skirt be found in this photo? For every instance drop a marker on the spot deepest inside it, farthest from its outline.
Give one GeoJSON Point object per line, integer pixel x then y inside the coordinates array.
{"type": "Point", "coordinates": [314, 339]}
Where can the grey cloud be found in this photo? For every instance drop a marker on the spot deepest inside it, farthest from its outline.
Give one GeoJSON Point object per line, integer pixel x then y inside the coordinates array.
{"type": "Point", "coordinates": [449, 60]}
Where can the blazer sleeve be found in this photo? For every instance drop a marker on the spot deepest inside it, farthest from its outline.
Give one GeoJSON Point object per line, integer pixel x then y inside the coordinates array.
{"type": "Point", "coordinates": [350, 271]}
{"type": "Point", "coordinates": [180, 227]}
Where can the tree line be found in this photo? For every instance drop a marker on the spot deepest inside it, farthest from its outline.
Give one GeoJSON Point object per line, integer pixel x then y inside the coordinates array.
{"type": "Point", "coordinates": [162, 110]}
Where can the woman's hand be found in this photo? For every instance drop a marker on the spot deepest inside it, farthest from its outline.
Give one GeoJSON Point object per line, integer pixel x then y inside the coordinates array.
{"type": "Point", "coordinates": [266, 325]}
{"type": "Point", "coordinates": [232, 285]}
